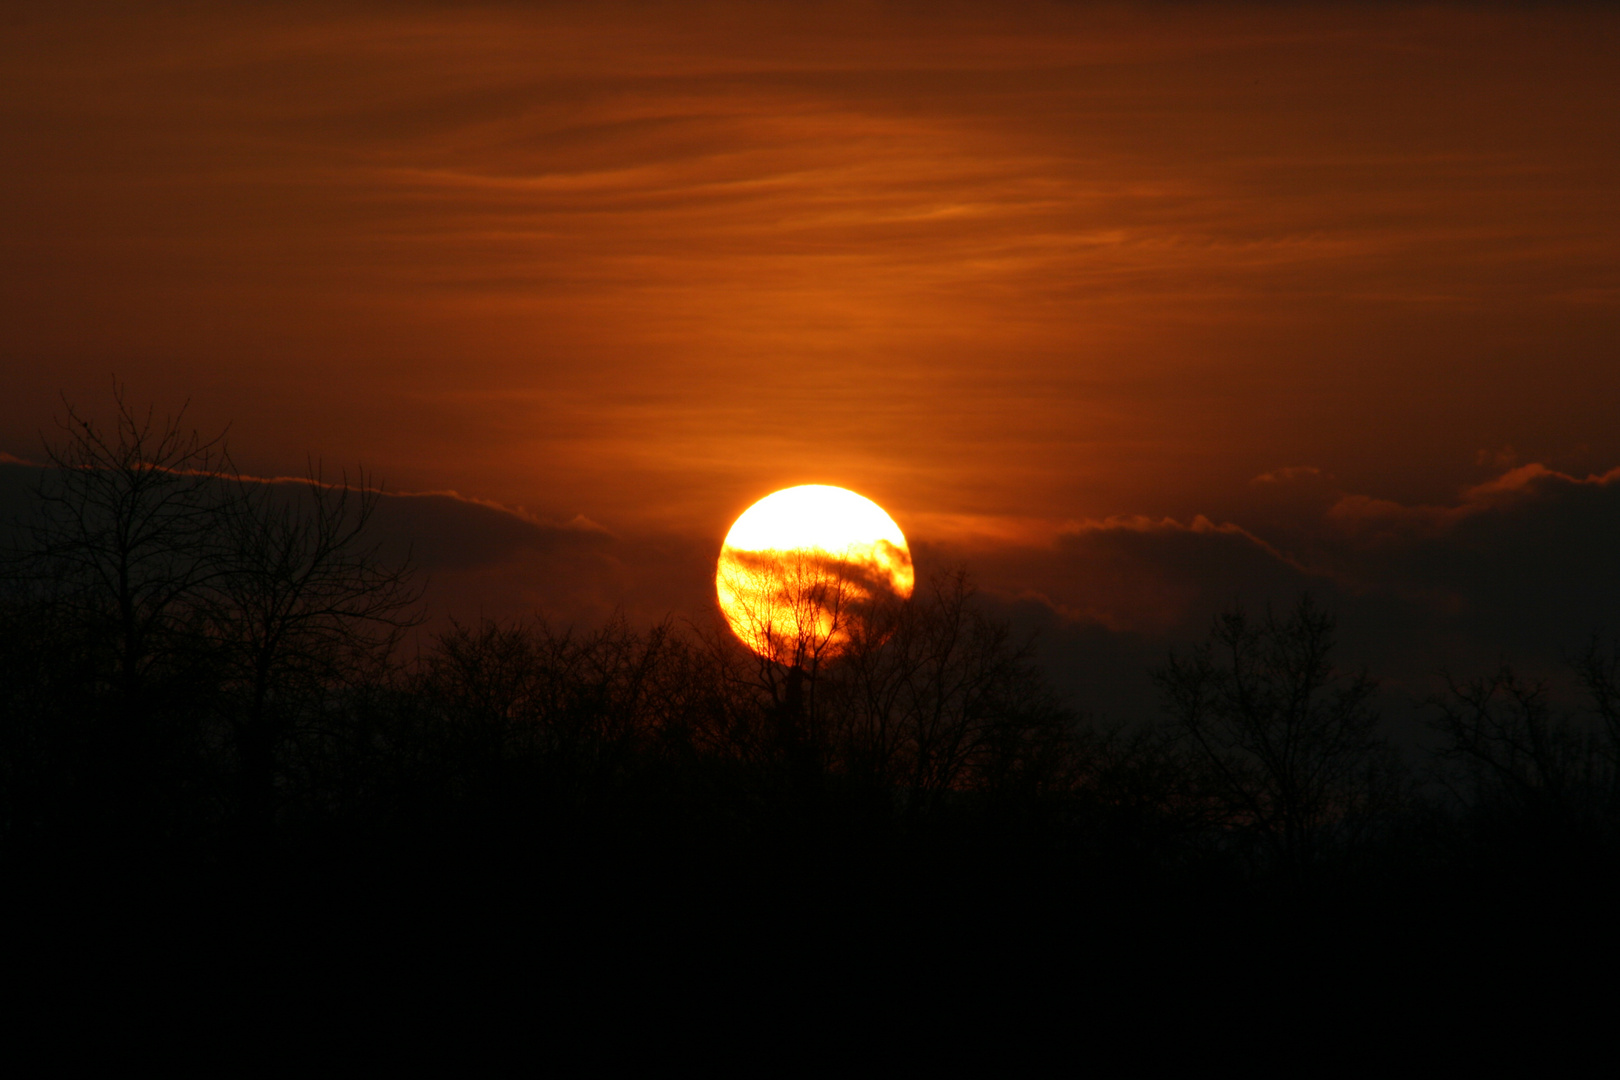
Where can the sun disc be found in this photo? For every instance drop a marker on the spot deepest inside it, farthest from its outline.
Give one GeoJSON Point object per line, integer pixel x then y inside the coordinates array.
{"type": "Point", "coordinates": [801, 567]}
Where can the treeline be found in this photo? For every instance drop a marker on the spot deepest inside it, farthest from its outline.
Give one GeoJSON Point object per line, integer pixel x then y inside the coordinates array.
{"type": "Point", "coordinates": [202, 670]}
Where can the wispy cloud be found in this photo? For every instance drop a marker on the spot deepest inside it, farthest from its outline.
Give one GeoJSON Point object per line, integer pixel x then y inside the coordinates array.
{"type": "Point", "coordinates": [639, 262]}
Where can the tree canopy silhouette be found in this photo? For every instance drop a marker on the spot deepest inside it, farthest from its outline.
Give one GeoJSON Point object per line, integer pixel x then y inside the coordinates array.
{"type": "Point", "coordinates": [1289, 741]}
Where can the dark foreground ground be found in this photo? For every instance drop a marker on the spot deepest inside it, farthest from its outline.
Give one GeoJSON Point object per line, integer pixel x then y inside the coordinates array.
{"type": "Point", "coordinates": [635, 919]}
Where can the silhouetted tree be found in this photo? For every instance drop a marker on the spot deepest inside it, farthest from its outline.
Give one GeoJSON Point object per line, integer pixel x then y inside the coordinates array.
{"type": "Point", "coordinates": [934, 697]}
{"type": "Point", "coordinates": [796, 611]}
{"type": "Point", "coordinates": [1290, 743]}
{"type": "Point", "coordinates": [48, 692]}
{"type": "Point", "coordinates": [1521, 767]}
{"type": "Point", "coordinates": [120, 549]}
{"type": "Point", "coordinates": [300, 602]}
{"type": "Point", "coordinates": [126, 538]}
{"type": "Point", "coordinates": [199, 593]}
{"type": "Point", "coordinates": [569, 716]}
{"type": "Point", "coordinates": [1598, 669]}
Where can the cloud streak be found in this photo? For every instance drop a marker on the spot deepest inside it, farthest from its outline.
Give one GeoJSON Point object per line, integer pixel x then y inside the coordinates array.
{"type": "Point", "coordinates": [649, 263]}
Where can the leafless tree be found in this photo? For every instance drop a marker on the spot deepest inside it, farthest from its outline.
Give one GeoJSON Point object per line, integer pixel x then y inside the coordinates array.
{"type": "Point", "coordinates": [157, 551]}
{"type": "Point", "coordinates": [1522, 763]}
{"type": "Point", "coordinates": [125, 538]}
{"type": "Point", "coordinates": [934, 697]}
{"type": "Point", "coordinates": [113, 564]}
{"type": "Point", "coordinates": [1290, 742]}
{"type": "Point", "coordinates": [796, 611]}
{"type": "Point", "coordinates": [300, 601]}
{"type": "Point", "coordinates": [1598, 669]}
{"type": "Point", "coordinates": [570, 696]}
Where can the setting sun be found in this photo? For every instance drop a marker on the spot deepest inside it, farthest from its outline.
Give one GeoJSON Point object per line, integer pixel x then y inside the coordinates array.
{"type": "Point", "coordinates": [798, 567]}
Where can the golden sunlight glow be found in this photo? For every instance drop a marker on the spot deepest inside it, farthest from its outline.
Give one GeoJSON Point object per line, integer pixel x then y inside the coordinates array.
{"type": "Point", "coordinates": [801, 570]}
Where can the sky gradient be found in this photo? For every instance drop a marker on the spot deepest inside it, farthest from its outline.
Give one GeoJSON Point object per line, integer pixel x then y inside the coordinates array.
{"type": "Point", "coordinates": [1054, 284]}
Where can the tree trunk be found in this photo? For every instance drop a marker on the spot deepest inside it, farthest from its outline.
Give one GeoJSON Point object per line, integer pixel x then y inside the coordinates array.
{"type": "Point", "coordinates": [258, 770]}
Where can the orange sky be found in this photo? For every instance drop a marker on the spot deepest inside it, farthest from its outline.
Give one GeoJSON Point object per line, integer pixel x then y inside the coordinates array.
{"type": "Point", "coordinates": [997, 270]}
